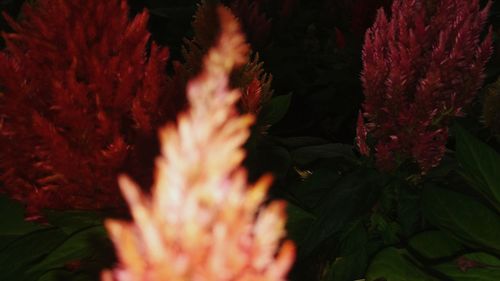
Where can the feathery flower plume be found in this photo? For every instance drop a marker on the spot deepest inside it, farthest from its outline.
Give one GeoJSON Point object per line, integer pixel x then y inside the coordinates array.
{"type": "Point", "coordinates": [420, 69]}
{"type": "Point", "coordinates": [80, 89]}
{"type": "Point", "coordinates": [255, 23]}
{"type": "Point", "coordinates": [250, 77]}
{"type": "Point", "coordinates": [202, 221]}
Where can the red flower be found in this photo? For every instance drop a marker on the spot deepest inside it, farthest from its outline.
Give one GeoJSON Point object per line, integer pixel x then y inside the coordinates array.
{"type": "Point", "coordinates": [255, 23]}
{"type": "Point", "coordinates": [80, 90]}
{"type": "Point", "coordinates": [361, 133]}
{"type": "Point", "coordinates": [420, 69]}
{"type": "Point", "coordinates": [250, 77]}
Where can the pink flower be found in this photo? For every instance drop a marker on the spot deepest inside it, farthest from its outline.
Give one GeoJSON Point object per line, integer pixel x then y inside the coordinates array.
{"type": "Point", "coordinates": [421, 67]}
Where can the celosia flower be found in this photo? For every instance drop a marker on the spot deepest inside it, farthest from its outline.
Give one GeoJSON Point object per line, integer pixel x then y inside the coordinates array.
{"type": "Point", "coordinates": [79, 91]}
{"type": "Point", "coordinates": [202, 221]}
{"type": "Point", "coordinates": [255, 23]}
{"type": "Point", "coordinates": [250, 77]}
{"type": "Point", "coordinates": [420, 69]}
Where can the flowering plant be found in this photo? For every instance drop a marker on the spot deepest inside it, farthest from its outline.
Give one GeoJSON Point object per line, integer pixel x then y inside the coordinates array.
{"type": "Point", "coordinates": [202, 222]}
{"type": "Point", "coordinates": [421, 67]}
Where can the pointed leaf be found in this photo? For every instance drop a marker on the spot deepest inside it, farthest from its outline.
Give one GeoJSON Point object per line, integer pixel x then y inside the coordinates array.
{"type": "Point", "coordinates": [484, 267]}
{"type": "Point", "coordinates": [463, 217]}
{"type": "Point", "coordinates": [392, 264]}
{"type": "Point", "coordinates": [435, 244]}
{"type": "Point", "coordinates": [275, 110]}
{"type": "Point", "coordinates": [480, 164]}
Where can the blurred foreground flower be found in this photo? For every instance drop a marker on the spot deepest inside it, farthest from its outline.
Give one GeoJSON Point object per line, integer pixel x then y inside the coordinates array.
{"type": "Point", "coordinates": [420, 69]}
{"type": "Point", "coordinates": [81, 91]}
{"type": "Point", "coordinates": [202, 221]}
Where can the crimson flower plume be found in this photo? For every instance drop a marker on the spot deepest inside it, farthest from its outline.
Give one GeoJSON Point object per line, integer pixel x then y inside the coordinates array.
{"type": "Point", "coordinates": [421, 67]}
{"type": "Point", "coordinates": [81, 87]}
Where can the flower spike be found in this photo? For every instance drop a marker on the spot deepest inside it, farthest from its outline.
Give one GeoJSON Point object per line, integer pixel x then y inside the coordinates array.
{"type": "Point", "coordinates": [202, 220]}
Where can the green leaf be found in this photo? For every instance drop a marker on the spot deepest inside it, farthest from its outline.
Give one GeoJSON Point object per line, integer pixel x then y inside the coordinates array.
{"type": "Point", "coordinates": [12, 220]}
{"type": "Point", "coordinates": [18, 257]}
{"type": "Point", "coordinates": [480, 164]}
{"type": "Point", "coordinates": [274, 159]}
{"type": "Point", "coordinates": [275, 110]}
{"type": "Point", "coordinates": [392, 264]}
{"type": "Point", "coordinates": [298, 221]}
{"type": "Point", "coordinates": [352, 196]}
{"type": "Point", "coordinates": [71, 221]}
{"type": "Point", "coordinates": [77, 247]}
{"type": "Point", "coordinates": [388, 230]}
{"type": "Point", "coordinates": [318, 183]}
{"type": "Point", "coordinates": [348, 268]}
{"type": "Point", "coordinates": [297, 142]}
{"type": "Point", "coordinates": [408, 210]}
{"type": "Point", "coordinates": [65, 275]}
{"type": "Point", "coordinates": [463, 217]}
{"type": "Point", "coordinates": [353, 258]}
{"type": "Point", "coordinates": [487, 268]}
{"type": "Point", "coordinates": [306, 155]}
{"type": "Point", "coordinates": [435, 244]}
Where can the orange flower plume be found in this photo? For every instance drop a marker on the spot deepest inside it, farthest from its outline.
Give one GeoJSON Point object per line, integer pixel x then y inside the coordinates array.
{"type": "Point", "coordinates": [202, 221]}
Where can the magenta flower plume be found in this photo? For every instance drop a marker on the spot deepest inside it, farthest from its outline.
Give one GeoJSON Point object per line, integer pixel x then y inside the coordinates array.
{"type": "Point", "coordinates": [421, 67]}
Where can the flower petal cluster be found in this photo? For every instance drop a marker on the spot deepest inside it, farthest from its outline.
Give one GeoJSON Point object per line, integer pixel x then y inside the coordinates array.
{"type": "Point", "coordinates": [81, 85]}
{"type": "Point", "coordinates": [255, 23]}
{"type": "Point", "coordinates": [203, 221]}
{"type": "Point", "coordinates": [421, 67]}
{"type": "Point", "coordinates": [250, 77]}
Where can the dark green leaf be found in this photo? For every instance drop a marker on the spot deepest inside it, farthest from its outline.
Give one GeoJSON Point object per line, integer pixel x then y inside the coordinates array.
{"type": "Point", "coordinates": [353, 195]}
{"type": "Point", "coordinates": [318, 183]}
{"type": "Point", "coordinates": [484, 268]}
{"type": "Point", "coordinates": [353, 259]}
{"type": "Point", "coordinates": [435, 244]}
{"type": "Point", "coordinates": [296, 142]}
{"type": "Point", "coordinates": [20, 255]}
{"type": "Point", "coordinates": [463, 217]}
{"type": "Point", "coordinates": [275, 110]}
{"type": "Point", "coordinates": [481, 165]}
{"type": "Point", "coordinates": [77, 247]}
{"type": "Point", "coordinates": [12, 220]}
{"type": "Point", "coordinates": [65, 275]}
{"type": "Point", "coordinates": [392, 264]}
{"type": "Point", "coordinates": [298, 221]}
{"type": "Point", "coordinates": [306, 155]}
{"type": "Point", "coordinates": [409, 210]}
{"type": "Point", "coordinates": [71, 221]}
